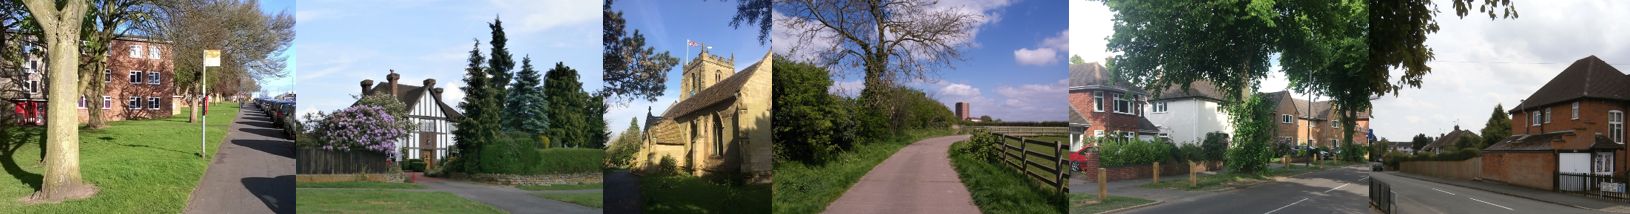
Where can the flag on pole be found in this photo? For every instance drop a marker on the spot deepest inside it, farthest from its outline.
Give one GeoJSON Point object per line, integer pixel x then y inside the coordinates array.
{"type": "Point", "coordinates": [692, 43]}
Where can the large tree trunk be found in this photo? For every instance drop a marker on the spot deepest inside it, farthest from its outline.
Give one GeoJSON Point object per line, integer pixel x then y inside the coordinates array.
{"type": "Point", "coordinates": [62, 181]}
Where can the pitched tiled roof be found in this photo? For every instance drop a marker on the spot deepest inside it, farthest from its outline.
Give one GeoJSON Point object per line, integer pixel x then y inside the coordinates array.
{"type": "Point", "coordinates": [410, 94]}
{"type": "Point", "coordinates": [1092, 76]}
{"type": "Point", "coordinates": [1144, 126]}
{"type": "Point", "coordinates": [1585, 78]}
{"type": "Point", "coordinates": [1448, 140]}
{"type": "Point", "coordinates": [1076, 118]}
{"type": "Point", "coordinates": [1549, 141]}
{"type": "Point", "coordinates": [1197, 89]}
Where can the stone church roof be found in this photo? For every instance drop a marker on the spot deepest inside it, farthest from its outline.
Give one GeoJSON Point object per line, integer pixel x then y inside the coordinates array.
{"type": "Point", "coordinates": [722, 91]}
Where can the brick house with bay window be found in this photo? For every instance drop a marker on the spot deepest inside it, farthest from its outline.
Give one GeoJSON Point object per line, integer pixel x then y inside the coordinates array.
{"type": "Point", "coordinates": [1102, 106]}
{"type": "Point", "coordinates": [1572, 124]}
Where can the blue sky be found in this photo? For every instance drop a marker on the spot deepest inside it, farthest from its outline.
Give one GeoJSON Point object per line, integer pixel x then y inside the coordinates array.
{"type": "Point", "coordinates": [1014, 67]}
{"type": "Point", "coordinates": [344, 42]}
{"type": "Point", "coordinates": [667, 25]}
{"type": "Point", "coordinates": [286, 83]}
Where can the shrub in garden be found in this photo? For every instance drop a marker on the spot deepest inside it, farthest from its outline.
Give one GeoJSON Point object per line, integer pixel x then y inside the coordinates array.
{"type": "Point", "coordinates": [1352, 152]}
{"type": "Point", "coordinates": [1214, 146]}
{"type": "Point", "coordinates": [413, 165]}
{"type": "Point", "coordinates": [360, 127]}
{"type": "Point", "coordinates": [1192, 152]}
{"type": "Point", "coordinates": [1118, 153]}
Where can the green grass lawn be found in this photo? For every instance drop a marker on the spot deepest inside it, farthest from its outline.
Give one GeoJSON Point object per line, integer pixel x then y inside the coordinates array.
{"type": "Point", "coordinates": [999, 189]}
{"type": "Point", "coordinates": [359, 185]}
{"type": "Point", "coordinates": [1086, 203]}
{"type": "Point", "coordinates": [139, 166]}
{"type": "Point", "coordinates": [383, 201]}
{"type": "Point", "coordinates": [562, 187]}
{"type": "Point", "coordinates": [805, 188]}
{"type": "Point", "coordinates": [688, 194]}
{"type": "Point", "coordinates": [589, 199]}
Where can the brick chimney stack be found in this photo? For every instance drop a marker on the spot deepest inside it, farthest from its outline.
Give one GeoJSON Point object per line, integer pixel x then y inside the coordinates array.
{"type": "Point", "coordinates": [430, 84]}
{"type": "Point", "coordinates": [365, 84]}
{"type": "Point", "coordinates": [392, 78]}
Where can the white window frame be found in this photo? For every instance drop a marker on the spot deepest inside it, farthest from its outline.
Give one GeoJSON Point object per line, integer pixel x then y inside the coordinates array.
{"type": "Point", "coordinates": [1575, 110]}
{"type": "Point", "coordinates": [136, 52]}
{"type": "Point", "coordinates": [82, 102]}
{"type": "Point", "coordinates": [1284, 118]}
{"type": "Point", "coordinates": [152, 103]}
{"type": "Point", "coordinates": [133, 103]}
{"type": "Point", "coordinates": [1097, 101]}
{"type": "Point", "coordinates": [135, 77]}
{"type": "Point", "coordinates": [153, 52]}
{"type": "Point", "coordinates": [1547, 115]}
{"type": "Point", "coordinates": [107, 75]}
{"type": "Point", "coordinates": [1098, 133]}
{"type": "Point", "coordinates": [1533, 118]}
{"type": "Point", "coordinates": [152, 78]}
{"type": "Point", "coordinates": [1615, 126]}
{"type": "Point", "coordinates": [1121, 104]}
{"type": "Point", "coordinates": [107, 102]}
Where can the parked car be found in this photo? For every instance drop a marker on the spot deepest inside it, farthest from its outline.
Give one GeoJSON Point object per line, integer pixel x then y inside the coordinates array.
{"type": "Point", "coordinates": [1377, 167]}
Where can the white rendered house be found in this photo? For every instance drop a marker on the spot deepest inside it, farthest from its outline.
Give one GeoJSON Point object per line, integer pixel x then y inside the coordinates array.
{"type": "Point", "coordinates": [1187, 115]}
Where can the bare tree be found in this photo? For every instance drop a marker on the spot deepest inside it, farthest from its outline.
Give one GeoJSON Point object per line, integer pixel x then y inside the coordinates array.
{"type": "Point", "coordinates": [890, 40]}
{"type": "Point", "coordinates": [60, 26]}
{"type": "Point", "coordinates": [252, 43]}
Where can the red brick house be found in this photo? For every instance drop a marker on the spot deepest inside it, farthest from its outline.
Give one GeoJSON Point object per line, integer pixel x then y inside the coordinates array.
{"type": "Point", "coordinates": [139, 84]}
{"type": "Point", "coordinates": [1105, 107]}
{"type": "Point", "coordinates": [1572, 124]}
{"type": "Point", "coordinates": [1313, 124]}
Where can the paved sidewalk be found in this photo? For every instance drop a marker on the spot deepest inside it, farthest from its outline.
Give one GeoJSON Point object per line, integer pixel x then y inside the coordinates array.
{"type": "Point", "coordinates": [1580, 201]}
{"type": "Point", "coordinates": [506, 198]}
{"type": "Point", "coordinates": [252, 173]}
{"type": "Point", "coordinates": [916, 179]}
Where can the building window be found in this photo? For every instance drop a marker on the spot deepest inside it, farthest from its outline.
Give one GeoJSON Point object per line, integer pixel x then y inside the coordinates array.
{"type": "Point", "coordinates": [152, 52]}
{"type": "Point", "coordinates": [152, 78]}
{"type": "Point", "coordinates": [107, 76]}
{"type": "Point", "coordinates": [152, 103]}
{"type": "Point", "coordinates": [136, 51]}
{"type": "Point", "coordinates": [1121, 104]}
{"type": "Point", "coordinates": [1547, 115]}
{"type": "Point", "coordinates": [33, 86]}
{"type": "Point", "coordinates": [1284, 119]}
{"type": "Point", "coordinates": [1335, 124]}
{"type": "Point", "coordinates": [107, 102]}
{"type": "Point", "coordinates": [133, 102]}
{"type": "Point", "coordinates": [1160, 107]}
{"type": "Point", "coordinates": [1098, 101]}
{"type": "Point", "coordinates": [33, 66]}
{"type": "Point", "coordinates": [135, 77]}
{"type": "Point", "coordinates": [1615, 126]}
{"type": "Point", "coordinates": [1575, 110]}
{"type": "Point", "coordinates": [81, 102]}
{"type": "Point", "coordinates": [1098, 133]}
{"type": "Point", "coordinates": [1534, 119]}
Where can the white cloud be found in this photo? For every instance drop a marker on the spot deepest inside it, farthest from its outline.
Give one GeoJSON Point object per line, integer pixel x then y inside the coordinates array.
{"type": "Point", "coordinates": [960, 90]}
{"type": "Point", "coordinates": [539, 16]}
{"type": "Point", "coordinates": [1092, 23]}
{"type": "Point", "coordinates": [1042, 56]}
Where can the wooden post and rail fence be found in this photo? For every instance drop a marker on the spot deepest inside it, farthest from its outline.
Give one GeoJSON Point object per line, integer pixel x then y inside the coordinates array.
{"type": "Point", "coordinates": [1019, 157]}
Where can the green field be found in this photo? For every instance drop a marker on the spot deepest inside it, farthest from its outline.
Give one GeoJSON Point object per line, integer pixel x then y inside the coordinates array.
{"type": "Point", "coordinates": [806, 188]}
{"type": "Point", "coordinates": [384, 201]}
{"type": "Point", "coordinates": [139, 166]}
{"type": "Point", "coordinates": [999, 189]}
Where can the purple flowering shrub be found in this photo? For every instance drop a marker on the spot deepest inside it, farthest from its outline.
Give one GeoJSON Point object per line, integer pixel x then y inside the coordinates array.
{"type": "Point", "coordinates": [361, 127]}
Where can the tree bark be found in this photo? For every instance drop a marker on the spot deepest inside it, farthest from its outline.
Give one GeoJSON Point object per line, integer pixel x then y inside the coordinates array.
{"type": "Point", "coordinates": [62, 179]}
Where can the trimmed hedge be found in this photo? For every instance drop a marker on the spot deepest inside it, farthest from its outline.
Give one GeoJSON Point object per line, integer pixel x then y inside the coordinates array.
{"type": "Point", "coordinates": [1116, 153]}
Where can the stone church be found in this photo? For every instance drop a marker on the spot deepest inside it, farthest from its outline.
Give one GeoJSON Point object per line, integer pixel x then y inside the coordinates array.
{"type": "Point", "coordinates": [719, 126]}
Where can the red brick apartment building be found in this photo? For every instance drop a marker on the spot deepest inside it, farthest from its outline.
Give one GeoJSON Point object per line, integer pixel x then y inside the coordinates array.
{"type": "Point", "coordinates": [1572, 124]}
{"type": "Point", "coordinates": [139, 84]}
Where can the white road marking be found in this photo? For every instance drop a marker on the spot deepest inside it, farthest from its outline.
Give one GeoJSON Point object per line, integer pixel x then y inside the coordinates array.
{"type": "Point", "coordinates": [1292, 204]}
{"type": "Point", "coordinates": [1365, 178]}
{"type": "Point", "coordinates": [1497, 205]}
{"type": "Point", "coordinates": [1446, 192]}
{"type": "Point", "coordinates": [1334, 189]}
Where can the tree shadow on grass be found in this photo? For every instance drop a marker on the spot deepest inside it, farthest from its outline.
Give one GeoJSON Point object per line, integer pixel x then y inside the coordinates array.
{"type": "Point", "coordinates": [13, 138]}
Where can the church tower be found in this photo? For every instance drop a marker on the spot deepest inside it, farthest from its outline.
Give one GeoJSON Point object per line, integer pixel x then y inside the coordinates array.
{"type": "Point", "coordinates": [703, 71]}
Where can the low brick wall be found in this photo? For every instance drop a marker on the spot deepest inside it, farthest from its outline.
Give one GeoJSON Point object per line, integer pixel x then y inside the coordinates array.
{"type": "Point", "coordinates": [375, 177]}
{"type": "Point", "coordinates": [1090, 167]}
{"type": "Point", "coordinates": [1458, 170]}
{"type": "Point", "coordinates": [1530, 169]}
{"type": "Point", "coordinates": [508, 179]}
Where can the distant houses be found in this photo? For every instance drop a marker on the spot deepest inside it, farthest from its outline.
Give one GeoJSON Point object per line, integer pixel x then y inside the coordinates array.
{"type": "Point", "coordinates": [1574, 124]}
{"type": "Point", "coordinates": [1304, 123]}
{"type": "Point", "coordinates": [1448, 141]}
{"type": "Point", "coordinates": [427, 109]}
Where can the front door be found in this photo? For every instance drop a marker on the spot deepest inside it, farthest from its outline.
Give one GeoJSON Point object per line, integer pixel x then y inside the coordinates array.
{"type": "Point", "coordinates": [427, 149]}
